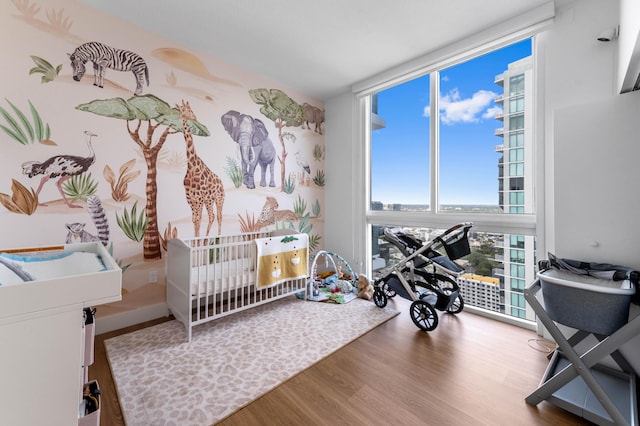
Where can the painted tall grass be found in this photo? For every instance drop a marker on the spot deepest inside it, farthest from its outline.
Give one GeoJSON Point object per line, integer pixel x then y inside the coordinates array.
{"type": "Point", "coordinates": [21, 129]}
{"type": "Point", "coordinates": [133, 224]}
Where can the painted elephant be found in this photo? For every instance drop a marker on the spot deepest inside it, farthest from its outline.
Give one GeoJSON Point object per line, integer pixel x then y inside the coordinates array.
{"type": "Point", "coordinates": [255, 146]}
{"type": "Point", "coordinates": [313, 115]}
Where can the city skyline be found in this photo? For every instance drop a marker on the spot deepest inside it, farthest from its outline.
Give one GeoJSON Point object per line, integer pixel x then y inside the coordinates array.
{"type": "Point", "coordinates": [468, 160]}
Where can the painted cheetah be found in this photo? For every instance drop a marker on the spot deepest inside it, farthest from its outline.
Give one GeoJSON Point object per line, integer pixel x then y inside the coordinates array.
{"type": "Point", "coordinates": [270, 215]}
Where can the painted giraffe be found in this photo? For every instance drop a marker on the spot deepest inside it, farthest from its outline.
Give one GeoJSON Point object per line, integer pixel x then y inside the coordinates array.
{"type": "Point", "coordinates": [201, 185]}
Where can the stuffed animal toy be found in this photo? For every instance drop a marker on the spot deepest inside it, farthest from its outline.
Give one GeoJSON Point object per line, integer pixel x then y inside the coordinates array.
{"type": "Point", "coordinates": [365, 289]}
{"type": "Point", "coordinates": [343, 275]}
{"type": "Point", "coordinates": [344, 286]}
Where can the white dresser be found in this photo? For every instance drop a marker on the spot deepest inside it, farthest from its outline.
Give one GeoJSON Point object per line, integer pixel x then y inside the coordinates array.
{"type": "Point", "coordinates": [42, 337]}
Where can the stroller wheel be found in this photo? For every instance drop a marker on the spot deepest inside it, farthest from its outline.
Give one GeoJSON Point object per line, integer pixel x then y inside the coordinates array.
{"type": "Point", "coordinates": [424, 315]}
{"type": "Point", "coordinates": [379, 298]}
{"type": "Point", "coordinates": [388, 291]}
{"type": "Point", "coordinates": [457, 306]}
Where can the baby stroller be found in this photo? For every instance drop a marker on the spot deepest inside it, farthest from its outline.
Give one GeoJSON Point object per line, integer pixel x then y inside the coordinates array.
{"type": "Point", "coordinates": [425, 276]}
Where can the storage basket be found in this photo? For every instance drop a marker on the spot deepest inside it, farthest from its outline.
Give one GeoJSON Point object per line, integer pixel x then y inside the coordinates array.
{"type": "Point", "coordinates": [457, 245]}
{"type": "Point", "coordinates": [586, 303]}
{"type": "Point", "coordinates": [445, 300]}
{"type": "Point", "coordinates": [91, 404]}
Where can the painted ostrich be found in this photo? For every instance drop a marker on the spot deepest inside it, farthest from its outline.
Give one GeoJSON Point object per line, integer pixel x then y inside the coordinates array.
{"type": "Point", "coordinates": [63, 166]}
{"type": "Point", "coordinates": [304, 165]}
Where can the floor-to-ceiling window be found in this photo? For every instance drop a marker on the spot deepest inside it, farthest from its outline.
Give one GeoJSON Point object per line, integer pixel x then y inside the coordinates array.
{"type": "Point", "coordinates": [453, 144]}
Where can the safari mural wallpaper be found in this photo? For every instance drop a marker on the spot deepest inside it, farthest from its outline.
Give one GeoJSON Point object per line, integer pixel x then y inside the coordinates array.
{"type": "Point", "coordinates": [113, 134]}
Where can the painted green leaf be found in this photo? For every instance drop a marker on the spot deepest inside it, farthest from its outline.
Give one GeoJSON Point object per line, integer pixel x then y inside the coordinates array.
{"type": "Point", "coordinates": [277, 105]}
{"type": "Point", "coordinates": [150, 106]}
{"type": "Point", "coordinates": [21, 136]}
{"type": "Point", "coordinates": [114, 108]}
{"type": "Point", "coordinates": [37, 122]}
{"type": "Point", "coordinates": [23, 119]}
{"type": "Point", "coordinates": [144, 107]}
{"type": "Point", "coordinates": [13, 134]}
{"type": "Point", "coordinates": [43, 63]}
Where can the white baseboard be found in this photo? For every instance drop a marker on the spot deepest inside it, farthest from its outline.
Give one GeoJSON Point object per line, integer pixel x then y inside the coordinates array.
{"type": "Point", "coordinates": [135, 316]}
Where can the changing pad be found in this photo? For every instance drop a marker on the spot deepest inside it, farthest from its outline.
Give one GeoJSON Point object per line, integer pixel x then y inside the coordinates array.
{"type": "Point", "coordinates": [47, 266]}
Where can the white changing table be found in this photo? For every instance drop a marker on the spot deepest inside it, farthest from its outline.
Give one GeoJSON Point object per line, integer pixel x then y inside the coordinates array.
{"type": "Point", "coordinates": [41, 330]}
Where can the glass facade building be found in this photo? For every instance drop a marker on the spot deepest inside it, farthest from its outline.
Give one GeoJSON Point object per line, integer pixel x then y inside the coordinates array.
{"type": "Point", "coordinates": [515, 183]}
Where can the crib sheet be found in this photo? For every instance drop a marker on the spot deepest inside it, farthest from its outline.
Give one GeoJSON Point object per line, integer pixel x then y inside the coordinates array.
{"type": "Point", "coordinates": [222, 276]}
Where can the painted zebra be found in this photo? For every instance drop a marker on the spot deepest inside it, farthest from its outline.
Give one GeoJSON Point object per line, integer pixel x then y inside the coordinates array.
{"type": "Point", "coordinates": [104, 57]}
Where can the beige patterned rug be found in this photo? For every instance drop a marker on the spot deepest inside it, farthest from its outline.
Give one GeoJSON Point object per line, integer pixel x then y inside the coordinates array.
{"type": "Point", "coordinates": [163, 380]}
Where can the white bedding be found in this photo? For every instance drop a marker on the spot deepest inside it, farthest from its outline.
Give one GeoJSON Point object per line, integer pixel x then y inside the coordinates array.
{"type": "Point", "coordinates": [219, 277]}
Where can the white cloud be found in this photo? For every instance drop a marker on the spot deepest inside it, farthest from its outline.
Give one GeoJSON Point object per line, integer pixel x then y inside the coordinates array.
{"type": "Point", "coordinates": [455, 109]}
{"type": "Point", "coordinates": [492, 112]}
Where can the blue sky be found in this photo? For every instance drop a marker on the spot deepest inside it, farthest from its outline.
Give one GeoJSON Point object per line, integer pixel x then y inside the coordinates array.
{"type": "Point", "coordinates": [468, 161]}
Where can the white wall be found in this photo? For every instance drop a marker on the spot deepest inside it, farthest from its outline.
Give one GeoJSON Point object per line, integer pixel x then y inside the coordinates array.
{"type": "Point", "coordinates": [596, 175]}
{"type": "Point", "coordinates": [342, 223]}
{"type": "Point", "coordinates": [575, 68]}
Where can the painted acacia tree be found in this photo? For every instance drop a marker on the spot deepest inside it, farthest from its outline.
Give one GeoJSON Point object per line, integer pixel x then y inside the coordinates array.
{"type": "Point", "coordinates": [145, 115]}
{"type": "Point", "coordinates": [278, 107]}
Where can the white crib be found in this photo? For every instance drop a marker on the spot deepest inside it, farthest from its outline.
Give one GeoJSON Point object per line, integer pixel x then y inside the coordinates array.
{"type": "Point", "coordinates": [211, 277]}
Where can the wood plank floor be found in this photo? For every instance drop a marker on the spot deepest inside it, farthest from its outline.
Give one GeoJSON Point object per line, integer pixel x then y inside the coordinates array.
{"type": "Point", "coordinates": [469, 371]}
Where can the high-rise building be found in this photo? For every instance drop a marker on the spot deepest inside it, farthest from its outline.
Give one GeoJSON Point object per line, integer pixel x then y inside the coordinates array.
{"type": "Point", "coordinates": [515, 183]}
{"type": "Point", "coordinates": [480, 291]}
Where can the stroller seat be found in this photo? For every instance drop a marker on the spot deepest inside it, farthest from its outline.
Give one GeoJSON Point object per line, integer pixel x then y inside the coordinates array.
{"type": "Point", "coordinates": [409, 244]}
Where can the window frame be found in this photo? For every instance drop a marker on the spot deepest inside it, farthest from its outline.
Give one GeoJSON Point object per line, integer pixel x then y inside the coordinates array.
{"type": "Point", "coordinates": [521, 223]}
{"type": "Point", "coordinates": [528, 224]}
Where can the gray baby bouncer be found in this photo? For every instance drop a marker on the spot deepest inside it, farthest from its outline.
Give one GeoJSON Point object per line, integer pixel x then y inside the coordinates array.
{"type": "Point", "coordinates": [594, 299]}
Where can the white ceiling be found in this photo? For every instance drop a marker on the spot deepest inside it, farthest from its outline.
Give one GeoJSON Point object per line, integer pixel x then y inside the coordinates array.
{"type": "Point", "coordinates": [320, 47]}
